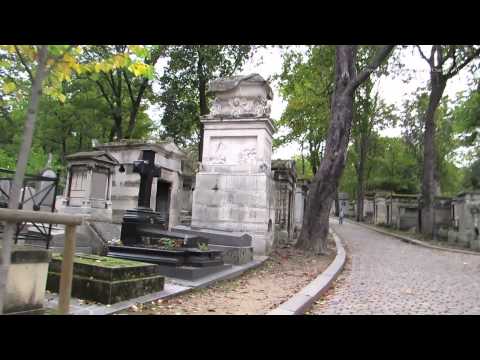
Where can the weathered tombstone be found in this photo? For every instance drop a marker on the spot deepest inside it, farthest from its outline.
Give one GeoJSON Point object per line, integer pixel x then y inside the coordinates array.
{"type": "Point", "coordinates": [284, 177]}
{"type": "Point", "coordinates": [46, 190]}
{"type": "Point", "coordinates": [466, 220]}
{"type": "Point", "coordinates": [442, 217]}
{"type": "Point", "coordinates": [4, 191]}
{"type": "Point", "coordinates": [381, 210]}
{"type": "Point", "coordinates": [403, 211]}
{"type": "Point", "coordinates": [369, 207]}
{"type": "Point", "coordinates": [89, 183]}
{"type": "Point", "coordinates": [300, 204]}
{"type": "Point", "coordinates": [234, 190]}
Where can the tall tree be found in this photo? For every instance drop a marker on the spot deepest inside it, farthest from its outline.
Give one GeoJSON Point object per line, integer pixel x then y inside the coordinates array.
{"type": "Point", "coordinates": [370, 114]}
{"type": "Point", "coordinates": [325, 182]}
{"type": "Point", "coordinates": [125, 85]}
{"type": "Point", "coordinates": [445, 61]}
{"type": "Point", "coordinates": [307, 83]}
{"type": "Point", "coordinates": [46, 67]}
{"type": "Point", "coordinates": [184, 95]}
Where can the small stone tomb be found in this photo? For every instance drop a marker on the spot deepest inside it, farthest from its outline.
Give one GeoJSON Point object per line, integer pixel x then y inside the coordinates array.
{"type": "Point", "coordinates": [403, 211]}
{"type": "Point", "coordinates": [107, 280]}
{"type": "Point", "coordinates": [284, 177]}
{"type": "Point", "coordinates": [465, 229]}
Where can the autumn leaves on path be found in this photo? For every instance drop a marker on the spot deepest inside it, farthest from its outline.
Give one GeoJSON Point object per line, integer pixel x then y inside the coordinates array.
{"type": "Point", "coordinates": [258, 291]}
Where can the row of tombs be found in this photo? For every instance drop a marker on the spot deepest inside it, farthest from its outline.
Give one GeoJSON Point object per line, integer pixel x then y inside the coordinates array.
{"type": "Point", "coordinates": [148, 204]}
{"type": "Point", "coordinates": [456, 219]}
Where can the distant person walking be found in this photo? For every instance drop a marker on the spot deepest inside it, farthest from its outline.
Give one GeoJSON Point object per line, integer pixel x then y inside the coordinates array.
{"type": "Point", "coordinates": [340, 216]}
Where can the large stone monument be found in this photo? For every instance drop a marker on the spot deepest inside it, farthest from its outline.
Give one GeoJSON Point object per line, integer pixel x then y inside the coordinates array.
{"type": "Point", "coordinates": [233, 191]}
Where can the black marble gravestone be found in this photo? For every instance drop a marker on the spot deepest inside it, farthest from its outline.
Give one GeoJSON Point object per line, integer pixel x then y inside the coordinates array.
{"type": "Point", "coordinates": [143, 214]}
{"type": "Point", "coordinates": [144, 235]}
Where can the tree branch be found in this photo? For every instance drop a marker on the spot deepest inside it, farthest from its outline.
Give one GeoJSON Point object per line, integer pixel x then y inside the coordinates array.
{"type": "Point", "coordinates": [22, 60]}
{"type": "Point", "coordinates": [452, 71]}
{"type": "Point", "coordinates": [381, 55]}
{"type": "Point", "coordinates": [129, 87]}
{"type": "Point", "coordinates": [423, 55]}
{"type": "Point", "coordinates": [105, 94]}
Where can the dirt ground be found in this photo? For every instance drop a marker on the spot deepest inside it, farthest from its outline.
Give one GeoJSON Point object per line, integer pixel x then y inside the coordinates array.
{"type": "Point", "coordinates": [256, 292]}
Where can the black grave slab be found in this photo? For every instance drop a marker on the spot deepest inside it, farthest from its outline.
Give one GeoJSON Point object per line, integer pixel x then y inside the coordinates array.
{"type": "Point", "coordinates": [174, 257]}
{"type": "Point", "coordinates": [217, 237]}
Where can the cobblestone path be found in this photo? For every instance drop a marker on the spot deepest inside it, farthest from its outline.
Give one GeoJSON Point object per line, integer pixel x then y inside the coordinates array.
{"type": "Point", "coordinates": [384, 275]}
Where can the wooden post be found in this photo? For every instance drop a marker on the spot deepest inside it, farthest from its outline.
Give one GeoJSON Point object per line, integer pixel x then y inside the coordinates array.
{"type": "Point", "coordinates": [66, 275]}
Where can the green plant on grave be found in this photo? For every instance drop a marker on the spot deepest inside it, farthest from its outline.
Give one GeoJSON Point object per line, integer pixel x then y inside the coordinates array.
{"type": "Point", "coordinates": [202, 246]}
{"type": "Point", "coordinates": [168, 243]}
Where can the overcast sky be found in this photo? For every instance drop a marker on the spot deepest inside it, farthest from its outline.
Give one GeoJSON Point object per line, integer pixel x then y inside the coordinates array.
{"type": "Point", "coordinates": [392, 90]}
{"type": "Point", "coordinates": [268, 62]}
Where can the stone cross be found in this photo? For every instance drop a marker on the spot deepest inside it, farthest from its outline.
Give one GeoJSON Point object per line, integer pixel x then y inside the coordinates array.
{"type": "Point", "coordinates": [147, 170]}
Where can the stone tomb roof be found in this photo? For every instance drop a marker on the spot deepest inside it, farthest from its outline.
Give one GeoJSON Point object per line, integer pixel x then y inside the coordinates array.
{"type": "Point", "coordinates": [284, 170]}
{"type": "Point", "coordinates": [231, 83]}
{"type": "Point", "coordinates": [166, 148]}
{"type": "Point", "coordinates": [243, 97]}
{"type": "Point", "coordinates": [93, 156]}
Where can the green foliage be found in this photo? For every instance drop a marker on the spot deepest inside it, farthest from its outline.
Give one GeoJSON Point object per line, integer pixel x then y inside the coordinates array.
{"type": "Point", "coordinates": [183, 85]}
{"type": "Point", "coordinates": [74, 112]}
{"type": "Point", "coordinates": [466, 116]}
{"type": "Point", "coordinates": [392, 168]}
{"type": "Point", "coordinates": [307, 84]}
{"type": "Point", "coordinates": [303, 167]}
{"type": "Point", "coordinates": [203, 246]}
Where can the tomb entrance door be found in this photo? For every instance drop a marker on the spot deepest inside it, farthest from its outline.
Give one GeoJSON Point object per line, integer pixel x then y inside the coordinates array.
{"type": "Point", "coordinates": [163, 199]}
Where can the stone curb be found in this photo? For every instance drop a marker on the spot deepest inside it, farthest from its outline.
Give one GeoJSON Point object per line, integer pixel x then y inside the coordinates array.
{"type": "Point", "coordinates": [299, 303]}
{"type": "Point", "coordinates": [412, 241]}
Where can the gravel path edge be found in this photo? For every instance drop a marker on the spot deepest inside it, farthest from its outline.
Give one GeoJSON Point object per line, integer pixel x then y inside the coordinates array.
{"type": "Point", "coordinates": [299, 303]}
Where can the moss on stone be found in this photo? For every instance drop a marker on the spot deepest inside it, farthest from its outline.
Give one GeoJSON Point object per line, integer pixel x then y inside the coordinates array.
{"type": "Point", "coordinates": [101, 261]}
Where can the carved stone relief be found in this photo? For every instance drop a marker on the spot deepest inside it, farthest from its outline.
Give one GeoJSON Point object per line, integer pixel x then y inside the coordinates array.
{"type": "Point", "coordinates": [240, 107]}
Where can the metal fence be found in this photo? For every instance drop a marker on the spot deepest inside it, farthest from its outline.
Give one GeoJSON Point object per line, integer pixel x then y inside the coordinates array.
{"type": "Point", "coordinates": [41, 232]}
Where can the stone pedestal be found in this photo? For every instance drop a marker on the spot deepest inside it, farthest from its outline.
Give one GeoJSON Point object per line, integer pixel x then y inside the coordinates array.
{"type": "Point", "coordinates": [27, 279]}
{"type": "Point", "coordinates": [233, 191]}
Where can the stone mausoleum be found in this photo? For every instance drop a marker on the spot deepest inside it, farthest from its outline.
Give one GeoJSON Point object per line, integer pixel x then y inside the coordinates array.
{"type": "Point", "coordinates": [234, 188]}
{"type": "Point", "coordinates": [102, 182]}
{"type": "Point", "coordinates": [403, 211]}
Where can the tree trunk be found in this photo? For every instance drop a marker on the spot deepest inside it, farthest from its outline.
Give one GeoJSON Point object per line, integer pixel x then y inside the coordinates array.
{"type": "Point", "coordinates": [135, 108]}
{"type": "Point", "coordinates": [325, 182]}
{"type": "Point", "coordinates": [14, 194]}
{"type": "Point", "coordinates": [117, 125]}
{"type": "Point", "coordinates": [202, 95]}
{"type": "Point", "coordinates": [438, 83]}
